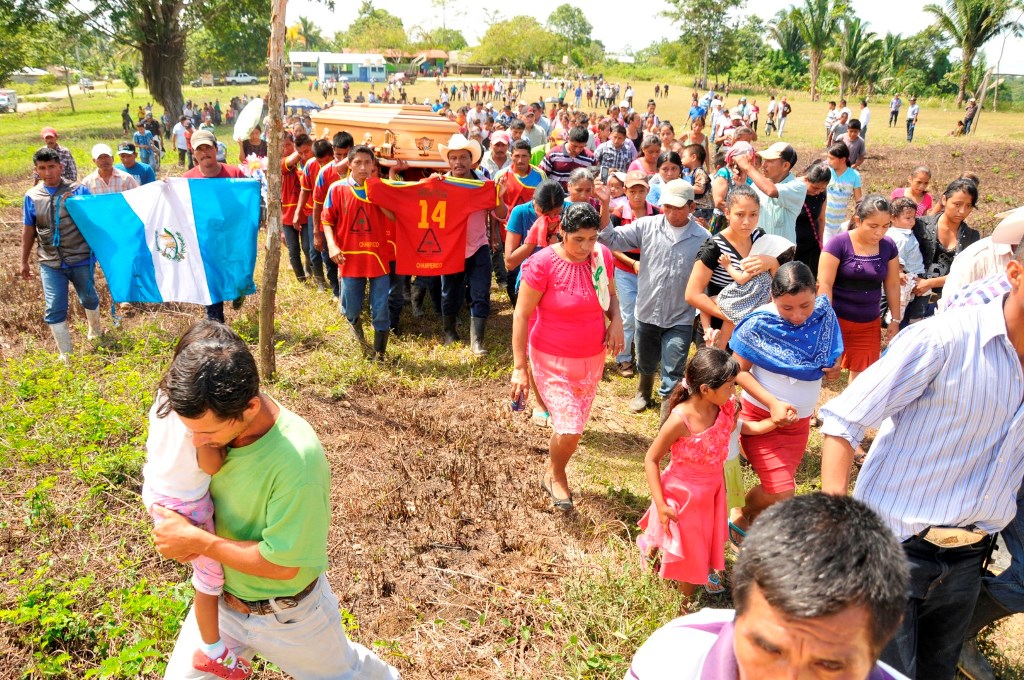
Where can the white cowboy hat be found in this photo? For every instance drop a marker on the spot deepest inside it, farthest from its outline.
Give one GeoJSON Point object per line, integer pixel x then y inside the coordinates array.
{"type": "Point", "coordinates": [459, 142]}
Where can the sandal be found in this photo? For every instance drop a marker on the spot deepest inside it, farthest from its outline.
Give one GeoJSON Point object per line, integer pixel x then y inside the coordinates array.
{"type": "Point", "coordinates": [564, 504]}
{"type": "Point", "coordinates": [541, 418]}
{"type": "Point", "coordinates": [714, 585]}
{"type": "Point", "coordinates": [736, 535]}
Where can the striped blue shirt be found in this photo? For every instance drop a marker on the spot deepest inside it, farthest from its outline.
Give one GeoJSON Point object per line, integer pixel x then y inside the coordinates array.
{"type": "Point", "coordinates": [947, 396]}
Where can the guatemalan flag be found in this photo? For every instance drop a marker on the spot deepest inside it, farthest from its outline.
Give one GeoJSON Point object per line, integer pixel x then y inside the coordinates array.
{"type": "Point", "coordinates": [176, 240]}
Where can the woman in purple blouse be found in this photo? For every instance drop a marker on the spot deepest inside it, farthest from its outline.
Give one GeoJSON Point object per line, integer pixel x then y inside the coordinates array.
{"type": "Point", "coordinates": [854, 267]}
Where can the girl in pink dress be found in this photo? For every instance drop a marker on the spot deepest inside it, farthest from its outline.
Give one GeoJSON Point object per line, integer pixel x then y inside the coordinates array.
{"type": "Point", "coordinates": [687, 518]}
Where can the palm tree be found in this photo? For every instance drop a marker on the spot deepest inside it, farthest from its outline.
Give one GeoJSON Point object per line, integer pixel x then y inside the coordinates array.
{"type": "Point", "coordinates": [785, 31]}
{"type": "Point", "coordinates": [971, 24]}
{"type": "Point", "coordinates": [859, 54]}
{"type": "Point", "coordinates": [818, 21]}
{"type": "Point", "coordinates": [894, 53]}
{"type": "Point", "coordinates": [310, 34]}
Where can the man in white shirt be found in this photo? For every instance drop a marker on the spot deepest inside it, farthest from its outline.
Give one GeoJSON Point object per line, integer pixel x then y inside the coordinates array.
{"type": "Point", "coordinates": [181, 142]}
{"type": "Point", "coordinates": [912, 113]}
{"type": "Point", "coordinates": [865, 118]}
{"type": "Point", "coordinates": [894, 110]}
{"type": "Point", "coordinates": [819, 589]}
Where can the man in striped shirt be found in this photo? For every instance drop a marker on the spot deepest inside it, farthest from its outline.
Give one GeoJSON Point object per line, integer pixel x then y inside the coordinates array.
{"type": "Point", "coordinates": [561, 160]}
{"type": "Point", "coordinates": [106, 179]}
{"type": "Point", "coordinates": [945, 469]}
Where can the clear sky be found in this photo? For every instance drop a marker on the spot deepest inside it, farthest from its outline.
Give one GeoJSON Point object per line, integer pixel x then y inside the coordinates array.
{"type": "Point", "coordinates": [644, 23]}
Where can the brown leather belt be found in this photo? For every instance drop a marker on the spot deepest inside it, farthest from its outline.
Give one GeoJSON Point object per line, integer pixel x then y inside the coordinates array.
{"type": "Point", "coordinates": [264, 607]}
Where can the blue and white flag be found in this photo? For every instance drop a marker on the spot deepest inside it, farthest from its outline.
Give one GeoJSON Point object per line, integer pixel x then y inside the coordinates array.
{"type": "Point", "coordinates": [177, 240]}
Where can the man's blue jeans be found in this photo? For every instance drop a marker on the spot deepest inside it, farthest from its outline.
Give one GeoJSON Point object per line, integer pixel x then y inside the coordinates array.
{"type": "Point", "coordinates": [625, 286]}
{"type": "Point", "coordinates": [944, 585]}
{"type": "Point", "coordinates": [55, 289]}
{"type": "Point", "coordinates": [478, 273]}
{"type": "Point", "coordinates": [668, 346]}
{"type": "Point", "coordinates": [354, 291]}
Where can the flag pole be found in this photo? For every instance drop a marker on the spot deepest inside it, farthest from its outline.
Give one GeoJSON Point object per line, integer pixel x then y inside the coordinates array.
{"type": "Point", "coordinates": [275, 131]}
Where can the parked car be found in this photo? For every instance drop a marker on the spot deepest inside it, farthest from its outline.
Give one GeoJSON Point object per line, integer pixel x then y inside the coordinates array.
{"type": "Point", "coordinates": [240, 79]}
{"type": "Point", "coordinates": [86, 84]}
{"type": "Point", "coordinates": [8, 101]}
{"type": "Point", "coordinates": [205, 80]}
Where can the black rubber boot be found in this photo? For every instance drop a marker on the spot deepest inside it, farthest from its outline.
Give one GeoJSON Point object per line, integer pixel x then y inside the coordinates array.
{"type": "Point", "coordinates": [357, 332]}
{"type": "Point", "coordinates": [478, 325]}
{"type": "Point", "coordinates": [450, 334]}
{"type": "Point", "coordinates": [418, 295]}
{"type": "Point", "coordinates": [665, 410]}
{"type": "Point", "coordinates": [380, 345]}
{"type": "Point", "coordinates": [643, 394]}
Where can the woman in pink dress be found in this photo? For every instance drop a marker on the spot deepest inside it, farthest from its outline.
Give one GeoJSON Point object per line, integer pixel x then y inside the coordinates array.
{"type": "Point", "coordinates": [687, 518]}
{"type": "Point", "coordinates": [571, 287]}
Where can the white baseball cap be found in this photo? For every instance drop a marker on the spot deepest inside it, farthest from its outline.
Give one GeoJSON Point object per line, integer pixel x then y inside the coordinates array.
{"type": "Point", "coordinates": [101, 149]}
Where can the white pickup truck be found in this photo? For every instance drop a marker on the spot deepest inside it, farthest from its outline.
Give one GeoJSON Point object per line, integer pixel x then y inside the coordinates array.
{"type": "Point", "coordinates": [8, 101]}
{"type": "Point", "coordinates": [240, 79]}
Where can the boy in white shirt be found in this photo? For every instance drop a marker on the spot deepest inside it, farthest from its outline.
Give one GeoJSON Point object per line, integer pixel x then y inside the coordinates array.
{"type": "Point", "coordinates": [903, 213]}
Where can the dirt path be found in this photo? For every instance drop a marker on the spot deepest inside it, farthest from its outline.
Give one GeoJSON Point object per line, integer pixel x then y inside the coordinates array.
{"type": "Point", "coordinates": [62, 93]}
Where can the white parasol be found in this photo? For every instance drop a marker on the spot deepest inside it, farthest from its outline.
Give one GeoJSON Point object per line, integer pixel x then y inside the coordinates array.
{"type": "Point", "coordinates": [248, 119]}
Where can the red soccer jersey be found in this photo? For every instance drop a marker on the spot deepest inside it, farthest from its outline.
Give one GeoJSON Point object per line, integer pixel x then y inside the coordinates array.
{"type": "Point", "coordinates": [520, 189]}
{"type": "Point", "coordinates": [226, 172]}
{"type": "Point", "coordinates": [307, 180]}
{"type": "Point", "coordinates": [327, 176]}
{"type": "Point", "coordinates": [431, 220]}
{"type": "Point", "coordinates": [360, 230]}
{"type": "Point", "coordinates": [289, 191]}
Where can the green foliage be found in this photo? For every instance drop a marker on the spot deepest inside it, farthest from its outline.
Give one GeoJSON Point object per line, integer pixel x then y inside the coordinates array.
{"type": "Point", "coordinates": [440, 38]}
{"type": "Point", "coordinates": [373, 29]}
{"type": "Point", "coordinates": [857, 57]}
{"type": "Point", "coordinates": [129, 78]}
{"type": "Point", "coordinates": [970, 24]}
{"type": "Point", "coordinates": [519, 42]}
{"type": "Point", "coordinates": [570, 23]}
{"type": "Point", "coordinates": [703, 25]}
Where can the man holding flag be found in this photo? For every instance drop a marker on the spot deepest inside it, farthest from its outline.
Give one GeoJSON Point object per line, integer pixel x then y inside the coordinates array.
{"type": "Point", "coordinates": [204, 152]}
{"type": "Point", "coordinates": [64, 256]}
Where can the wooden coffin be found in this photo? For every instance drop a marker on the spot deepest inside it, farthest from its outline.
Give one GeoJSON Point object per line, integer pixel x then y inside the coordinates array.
{"type": "Point", "coordinates": [395, 131]}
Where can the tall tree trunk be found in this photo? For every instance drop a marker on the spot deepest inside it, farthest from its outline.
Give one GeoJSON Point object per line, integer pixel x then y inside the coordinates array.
{"type": "Point", "coordinates": [815, 61]}
{"type": "Point", "coordinates": [275, 131]}
{"type": "Point", "coordinates": [67, 84]}
{"type": "Point", "coordinates": [965, 75]}
{"type": "Point", "coordinates": [162, 45]}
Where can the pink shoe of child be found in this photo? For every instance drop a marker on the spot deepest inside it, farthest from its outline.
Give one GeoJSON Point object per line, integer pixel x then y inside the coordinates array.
{"type": "Point", "coordinates": [227, 665]}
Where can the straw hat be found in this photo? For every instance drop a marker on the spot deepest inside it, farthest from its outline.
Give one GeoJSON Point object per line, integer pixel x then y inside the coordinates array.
{"type": "Point", "coordinates": [459, 142]}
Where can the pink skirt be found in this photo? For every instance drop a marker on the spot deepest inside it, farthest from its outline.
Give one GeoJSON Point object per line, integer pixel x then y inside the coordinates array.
{"type": "Point", "coordinates": [568, 386]}
{"type": "Point", "coordinates": [694, 545]}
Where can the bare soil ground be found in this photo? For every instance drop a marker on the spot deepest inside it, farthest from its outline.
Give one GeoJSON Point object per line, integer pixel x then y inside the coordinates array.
{"type": "Point", "coordinates": [446, 556]}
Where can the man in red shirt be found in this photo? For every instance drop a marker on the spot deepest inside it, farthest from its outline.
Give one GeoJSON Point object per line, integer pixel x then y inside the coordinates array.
{"type": "Point", "coordinates": [359, 235]}
{"type": "Point", "coordinates": [322, 155]}
{"type": "Point", "coordinates": [292, 233]}
{"type": "Point", "coordinates": [204, 150]}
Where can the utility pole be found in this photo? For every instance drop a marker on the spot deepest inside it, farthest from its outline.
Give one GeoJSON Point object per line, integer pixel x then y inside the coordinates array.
{"type": "Point", "coordinates": [275, 131]}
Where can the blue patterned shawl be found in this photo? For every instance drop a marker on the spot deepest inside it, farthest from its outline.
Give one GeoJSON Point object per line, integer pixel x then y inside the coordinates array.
{"type": "Point", "coordinates": [802, 352]}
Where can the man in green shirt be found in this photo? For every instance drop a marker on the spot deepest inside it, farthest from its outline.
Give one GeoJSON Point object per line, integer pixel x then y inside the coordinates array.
{"type": "Point", "coordinates": [272, 516]}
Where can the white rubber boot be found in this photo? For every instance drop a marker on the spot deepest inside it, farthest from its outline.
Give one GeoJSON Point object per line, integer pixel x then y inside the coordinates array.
{"type": "Point", "coordinates": [62, 336]}
{"type": "Point", "coordinates": [93, 316]}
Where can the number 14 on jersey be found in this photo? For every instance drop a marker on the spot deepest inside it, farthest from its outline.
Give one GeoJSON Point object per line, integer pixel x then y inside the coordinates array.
{"type": "Point", "coordinates": [436, 216]}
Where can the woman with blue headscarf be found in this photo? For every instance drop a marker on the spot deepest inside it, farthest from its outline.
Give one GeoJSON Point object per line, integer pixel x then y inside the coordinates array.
{"type": "Point", "coordinates": [788, 346]}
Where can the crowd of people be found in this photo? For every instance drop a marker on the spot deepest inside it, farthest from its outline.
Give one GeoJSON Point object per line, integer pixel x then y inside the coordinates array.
{"type": "Point", "coordinates": [613, 237]}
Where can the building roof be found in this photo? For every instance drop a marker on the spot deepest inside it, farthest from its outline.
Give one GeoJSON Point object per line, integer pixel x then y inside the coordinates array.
{"type": "Point", "coordinates": [433, 54]}
{"type": "Point", "coordinates": [336, 58]}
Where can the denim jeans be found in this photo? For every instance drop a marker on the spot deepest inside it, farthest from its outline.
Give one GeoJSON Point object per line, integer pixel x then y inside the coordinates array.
{"type": "Point", "coordinates": [478, 274]}
{"type": "Point", "coordinates": [944, 585]}
{"type": "Point", "coordinates": [669, 346]}
{"type": "Point", "coordinates": [894, 117]}
{"type": "Point", "coordinates": [910, 129]}
{"type": "Point", "coordinates": [396, 296]}
{"type": "Point", "coordinates": [306, 641]}
{"type": "Point", "coordinates": [1008, 588]}
{"type": "Point", "coordinates": [55, 289]}
{"type": "Point", "coordinates": [353, 290]}
{"type": "Point", "coordinates": [625, 286]}
{"type": "Point", "coordinates": [432, 284]}
{"type": "Point", "coordinates": [298, 244]}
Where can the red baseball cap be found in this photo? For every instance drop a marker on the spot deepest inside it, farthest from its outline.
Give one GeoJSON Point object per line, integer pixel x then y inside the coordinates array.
{"type": "Point", "coordinates": [48, 132]}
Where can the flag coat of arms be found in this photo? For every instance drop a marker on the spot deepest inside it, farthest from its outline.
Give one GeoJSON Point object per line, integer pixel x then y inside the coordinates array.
{"type": "Point", "coordinates": [177, 240]}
